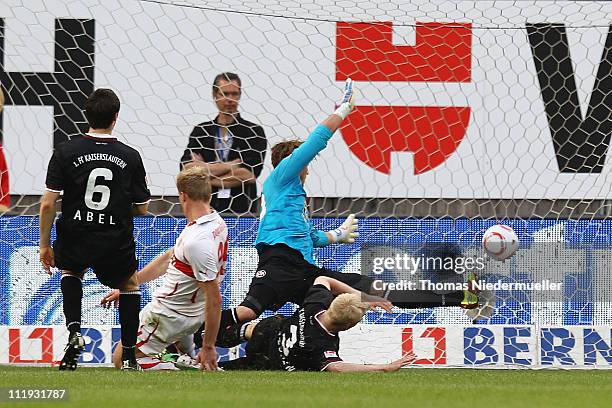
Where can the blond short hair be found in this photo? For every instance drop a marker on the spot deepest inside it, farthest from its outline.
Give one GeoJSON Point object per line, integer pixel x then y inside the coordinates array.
{"type": "Point", "coordinates": [195, 182]}
{"type": "Point", "coordinates": [347, 309]}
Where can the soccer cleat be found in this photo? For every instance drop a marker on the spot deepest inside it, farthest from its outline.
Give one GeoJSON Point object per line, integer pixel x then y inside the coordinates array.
{"type": "Point", "coordinates": [167, 356]}
{"type": "Point", "coordinates": [72, 352]}
{"type": "Point", "coordinates": [470, 300]}
{"type": "Point", "coordinates": [184, 362]}
{"type": "Point", "coordinates": [472, 279]}
{"type": "Point", "coordinates": [179, 361]}
{"type": "Point", "coordinates": [470, 296]}
{"type": "Point", "coordinates": [130, 365]}
{"type": "Point", "coordinates": [485, 307]}
{"type": "Point", "coordinates": [485, 301]}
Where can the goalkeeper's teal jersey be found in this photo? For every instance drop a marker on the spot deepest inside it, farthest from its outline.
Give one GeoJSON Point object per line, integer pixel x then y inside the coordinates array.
{"type": "Point", "coordinates": [284, 217]}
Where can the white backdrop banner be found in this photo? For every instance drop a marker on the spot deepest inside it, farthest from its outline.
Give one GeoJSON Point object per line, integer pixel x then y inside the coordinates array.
{"type": "Point", "coordinates": [462, 99]}
{"type": "Point", "coordinates": [481, 346]}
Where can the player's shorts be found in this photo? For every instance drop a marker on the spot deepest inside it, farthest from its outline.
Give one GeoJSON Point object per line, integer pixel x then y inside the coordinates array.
{"type": "Point", "coordinates": [158, 330]}
{"type": "Point", "coordinates": [112, 266]}
{"type": "Point", "coordinates": [283, 275]}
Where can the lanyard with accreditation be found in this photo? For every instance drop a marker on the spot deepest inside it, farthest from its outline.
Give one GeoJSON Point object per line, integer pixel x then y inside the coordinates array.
{"type": "Point", "coordinates": [223, 145]}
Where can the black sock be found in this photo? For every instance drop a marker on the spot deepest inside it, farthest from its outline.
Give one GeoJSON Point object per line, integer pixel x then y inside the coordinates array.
{"type": "Point", "coordinates": [129, 306]}
{"type": "Point", "coordinates": [72, 292]}
{"type": "Point", "coordinates": [414, 299]}
{"type": "Point", "coordinates": [129, 353]}
{"type": "Point", "coordinates": [228, 318]}
{"type": "Point", "coordinates": [197, 336]}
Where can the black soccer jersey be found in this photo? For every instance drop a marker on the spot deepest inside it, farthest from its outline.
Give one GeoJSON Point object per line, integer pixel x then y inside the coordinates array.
{"type": "Point", "coordinates": [101, 179]}
{"type": "Point", "coordinates": [302, 342]}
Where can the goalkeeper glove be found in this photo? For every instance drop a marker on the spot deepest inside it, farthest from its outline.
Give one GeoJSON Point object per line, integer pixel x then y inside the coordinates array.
{"type": "Point", "coordinates": [347, 103]}
{"type": "Point", "coordinates": [347, 232]}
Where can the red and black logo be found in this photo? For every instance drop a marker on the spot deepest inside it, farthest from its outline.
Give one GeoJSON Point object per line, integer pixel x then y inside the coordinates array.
{"type": "Point", "coordinates": [364, 51]}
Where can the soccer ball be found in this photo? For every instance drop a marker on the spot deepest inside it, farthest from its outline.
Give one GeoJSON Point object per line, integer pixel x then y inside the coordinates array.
{"type": "Point", "coordinates": [500, 242]}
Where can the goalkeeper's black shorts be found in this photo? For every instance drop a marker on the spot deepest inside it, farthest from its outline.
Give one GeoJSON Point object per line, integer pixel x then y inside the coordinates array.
{"type": "Point", "coordinates": [283, 275]}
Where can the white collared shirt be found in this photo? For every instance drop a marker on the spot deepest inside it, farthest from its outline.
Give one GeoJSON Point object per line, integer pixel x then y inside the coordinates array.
{"type": "Point", "coordinates": [101, 135]}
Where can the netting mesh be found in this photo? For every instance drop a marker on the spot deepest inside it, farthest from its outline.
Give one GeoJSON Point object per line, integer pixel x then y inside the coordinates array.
{"type": "Point", "coordinates": [468, 114]}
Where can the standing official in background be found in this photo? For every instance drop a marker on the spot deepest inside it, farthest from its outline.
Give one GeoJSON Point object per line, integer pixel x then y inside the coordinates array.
{"type": "Point", "coordinates": [231, 148]}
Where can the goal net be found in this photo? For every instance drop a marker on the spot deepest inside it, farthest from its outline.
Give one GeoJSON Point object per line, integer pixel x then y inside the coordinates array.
{"type": "Point", "coordinates": [468, 114]}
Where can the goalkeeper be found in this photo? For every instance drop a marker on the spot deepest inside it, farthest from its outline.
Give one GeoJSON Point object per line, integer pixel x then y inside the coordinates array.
{"type": "Point", "coordinates": [285, 239]}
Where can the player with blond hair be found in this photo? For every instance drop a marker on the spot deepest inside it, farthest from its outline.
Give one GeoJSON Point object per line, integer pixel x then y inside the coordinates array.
{"type": "Point", "coordinates": [308, 340]}
{"type": "Point", "coordinates": [192, 271]}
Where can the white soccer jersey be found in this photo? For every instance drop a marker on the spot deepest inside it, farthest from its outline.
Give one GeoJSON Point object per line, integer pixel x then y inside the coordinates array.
{"type": "Point", "coordinates": [200, 254]}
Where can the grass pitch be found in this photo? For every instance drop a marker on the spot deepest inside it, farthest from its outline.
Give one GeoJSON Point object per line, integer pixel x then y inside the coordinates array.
{"type": "Point", "coordinates": [456, 388]}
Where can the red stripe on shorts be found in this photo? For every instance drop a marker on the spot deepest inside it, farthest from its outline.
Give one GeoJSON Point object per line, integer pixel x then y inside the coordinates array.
{"type": "Point", "coordinates": [146, 366]}
{"type": "Point", "coordinates": [140, 343]}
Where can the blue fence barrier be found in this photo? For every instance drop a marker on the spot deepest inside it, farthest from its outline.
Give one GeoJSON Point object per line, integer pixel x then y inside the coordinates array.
{"type": "Point", "coordinates": [578, 250]}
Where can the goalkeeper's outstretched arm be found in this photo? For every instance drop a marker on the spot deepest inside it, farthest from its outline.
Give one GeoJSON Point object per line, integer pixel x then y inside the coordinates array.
{"type": "Point", "coordinates": [291, 166]}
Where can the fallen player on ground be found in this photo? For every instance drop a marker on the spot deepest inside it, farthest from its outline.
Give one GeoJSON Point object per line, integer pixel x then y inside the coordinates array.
{"type": "Point", "coordinates": [308, 340]}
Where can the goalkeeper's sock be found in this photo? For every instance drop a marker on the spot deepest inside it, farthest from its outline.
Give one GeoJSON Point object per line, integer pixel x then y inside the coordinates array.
{"type": "Point", "coordinates": [129, 306]}
{"type": "Point", "coordinates": [414, 299]}
{"type": "Point", "coordinates": [72, 293]}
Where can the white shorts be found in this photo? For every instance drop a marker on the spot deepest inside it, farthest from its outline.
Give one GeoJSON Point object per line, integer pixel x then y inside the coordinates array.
{"type": "Point", "coordinates": [160, 329]}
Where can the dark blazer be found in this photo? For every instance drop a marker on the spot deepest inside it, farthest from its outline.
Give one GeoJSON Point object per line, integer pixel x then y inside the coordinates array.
{"type": "Point", "coordinates": [248, 144]}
